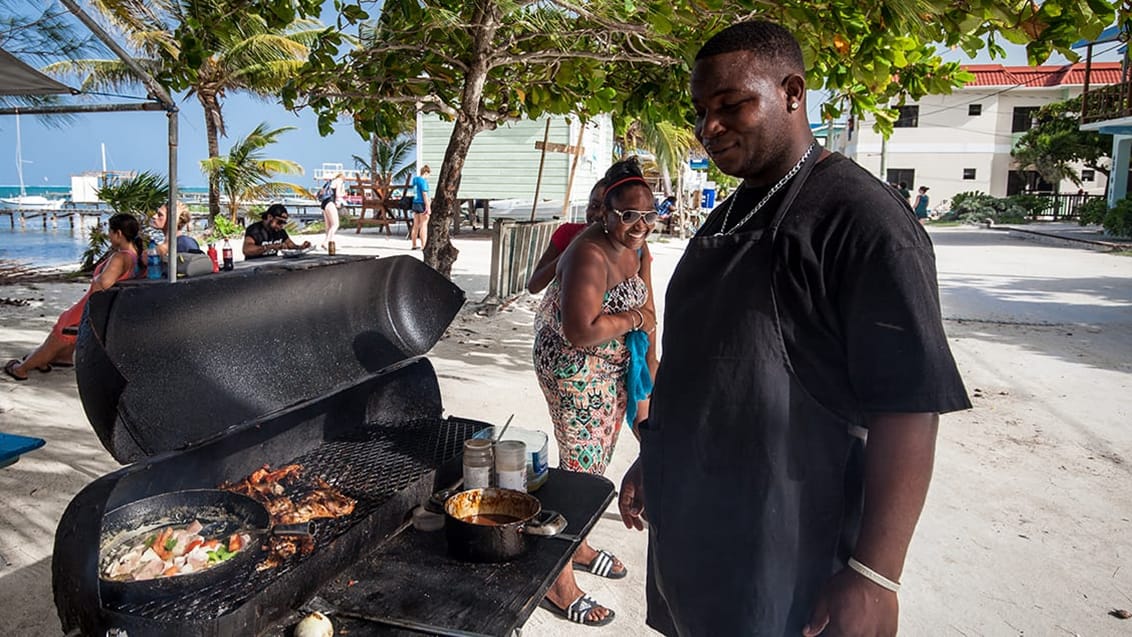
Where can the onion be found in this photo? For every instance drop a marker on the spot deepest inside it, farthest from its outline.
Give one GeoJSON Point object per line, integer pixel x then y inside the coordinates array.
{"type": "Point", "coordinates": [315, 625]}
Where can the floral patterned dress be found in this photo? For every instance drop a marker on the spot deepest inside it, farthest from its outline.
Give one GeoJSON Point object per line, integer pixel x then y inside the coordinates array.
{"type": "Point", "coordinates": [584, 386]}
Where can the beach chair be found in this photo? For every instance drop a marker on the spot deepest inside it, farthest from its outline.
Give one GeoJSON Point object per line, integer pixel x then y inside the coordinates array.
{"type": "Point", "coordinates": [13, 446]}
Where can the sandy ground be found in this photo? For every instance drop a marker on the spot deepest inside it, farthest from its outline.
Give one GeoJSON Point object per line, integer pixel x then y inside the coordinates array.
{"type": "Point", "coordinates": [1026, 530]}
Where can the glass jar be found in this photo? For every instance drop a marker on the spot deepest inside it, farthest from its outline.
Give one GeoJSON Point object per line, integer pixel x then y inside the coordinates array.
{"type": "Point", "coordinates": [511, 465]}
{"type": "Point", "coordinates": [478, 461]}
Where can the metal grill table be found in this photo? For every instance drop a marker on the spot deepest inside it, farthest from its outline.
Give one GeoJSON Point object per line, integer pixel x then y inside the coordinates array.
{"type": "Point", "coordinates": [411, 584]}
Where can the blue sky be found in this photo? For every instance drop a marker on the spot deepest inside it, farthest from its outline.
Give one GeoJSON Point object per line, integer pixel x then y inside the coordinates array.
{"type": "Point", "coordinates": [136, 141]}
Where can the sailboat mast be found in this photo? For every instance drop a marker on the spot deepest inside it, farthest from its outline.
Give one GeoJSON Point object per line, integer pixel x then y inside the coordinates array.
{"type": "Point", "coordinates": [19, 158]}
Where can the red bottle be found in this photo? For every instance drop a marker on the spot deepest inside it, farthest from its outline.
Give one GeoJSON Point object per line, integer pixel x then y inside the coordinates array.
{"type": "Point", "coordinates": [212, 257]}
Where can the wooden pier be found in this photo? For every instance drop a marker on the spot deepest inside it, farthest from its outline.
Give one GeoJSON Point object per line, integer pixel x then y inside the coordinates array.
{"type": "Point", "coordinates": [50, 218]}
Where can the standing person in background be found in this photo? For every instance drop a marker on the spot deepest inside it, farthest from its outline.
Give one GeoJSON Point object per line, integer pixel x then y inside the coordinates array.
{"type": "Point", "coordinates": [791, 432]}
{"type": "Point", "coordinates": [584, 353]}
{"type": "Point", "coordinates": [904, 192]}
{"type": "Point", "coordinates": [563, 235]}
{"type": "Point", "coordinates": [336, 194]}
{"type": "Point", "coordinates": [921, 205]}
{"type": "Point", "coordinates": [121, 263]}
{"type": "Point", "coordinates": [422, 208]}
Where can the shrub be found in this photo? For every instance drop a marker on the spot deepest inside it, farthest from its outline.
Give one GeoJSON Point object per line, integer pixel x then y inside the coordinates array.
{"type": "Point", "coordinates": [1034, 205]}
{"type": "Point", "coordinates": [96, 248]}
{"type": "Point", "coordinates": [1118, 220]}
{"type": "Point", "coordinates": [225, 228]}
{"type": "Point", "coordinates": [140, 196]}
{"type": "Point", "coordinates": [1092, 212]}
{"type": "Point", "coordinates": [977, 207]}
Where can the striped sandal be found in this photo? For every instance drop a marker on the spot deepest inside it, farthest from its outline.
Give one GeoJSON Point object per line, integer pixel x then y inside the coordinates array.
{"type": "Point", "coordinates": [579, 611]}
{"type": "Point", "coordinates": [602, 566]}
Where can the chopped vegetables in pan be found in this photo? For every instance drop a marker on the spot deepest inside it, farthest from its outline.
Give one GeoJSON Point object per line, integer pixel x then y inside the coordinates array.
{"type": "Point", "coordinates": [172, 550]}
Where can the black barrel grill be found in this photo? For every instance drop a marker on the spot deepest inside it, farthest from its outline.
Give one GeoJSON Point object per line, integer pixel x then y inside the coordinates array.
{"type": "Point", "coordinates": [314, 362]}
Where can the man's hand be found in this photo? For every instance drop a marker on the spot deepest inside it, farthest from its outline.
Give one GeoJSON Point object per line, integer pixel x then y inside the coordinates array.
{"type": "Point", "coordinates": [632, 499]}
{"type": "Point", "coordinates": [306, 244]}
{"type": "Point", "coordinates": [851, 606]}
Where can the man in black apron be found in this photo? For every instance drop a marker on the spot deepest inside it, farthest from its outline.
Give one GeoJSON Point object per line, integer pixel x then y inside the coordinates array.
{"type": "Point", "coordinates": [802, 320]}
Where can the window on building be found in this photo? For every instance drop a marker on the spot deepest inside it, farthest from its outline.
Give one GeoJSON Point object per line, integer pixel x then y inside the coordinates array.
{"type": "Point", "coordinates": [968, 173]}
{"type": "Point", "coordinates": [1088, 175]}
{"type": "Point", "coordinates": [1023, 118]}
{"type": "Point", "coordinates": [909, 117]}
{"type": "Point", "coordinates": [906, 176]}
{"type": "Point", "coordinates": [974, 110]}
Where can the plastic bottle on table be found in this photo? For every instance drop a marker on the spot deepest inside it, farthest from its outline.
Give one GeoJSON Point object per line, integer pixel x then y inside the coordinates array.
{"type": "Point", "coordinates": [229, 263]}
{"type": "Point", "coordinates": [152, 261]}
{"type": "Point", "coordinates": [511, 465]}
{"type": "Point", "coordinates": [212, 257]}
{"type": "Point", "coordinates": [478, 461]}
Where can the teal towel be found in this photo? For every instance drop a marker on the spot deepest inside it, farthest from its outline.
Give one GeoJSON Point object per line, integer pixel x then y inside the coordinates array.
{"type": "Point", "coordinates": [639, 381]}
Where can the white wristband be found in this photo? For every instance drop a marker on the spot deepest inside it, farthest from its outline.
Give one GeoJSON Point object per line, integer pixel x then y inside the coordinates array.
{"type": "Point", "coordinates": [873, 576]}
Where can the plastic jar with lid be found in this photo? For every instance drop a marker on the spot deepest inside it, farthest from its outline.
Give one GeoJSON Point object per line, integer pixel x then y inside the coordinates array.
{"type": "Point", "coordinates": [478, 461]}
{"type": "Point", "coordinates": [511, 465]}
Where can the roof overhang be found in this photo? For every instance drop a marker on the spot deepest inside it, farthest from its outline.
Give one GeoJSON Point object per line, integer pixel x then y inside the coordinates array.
{"type": "Point", "coordinates": [1118, 126]}
{"type": "Point", "coordinates": [17, 78]}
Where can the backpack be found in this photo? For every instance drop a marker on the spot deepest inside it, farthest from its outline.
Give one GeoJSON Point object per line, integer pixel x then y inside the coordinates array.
{"type": "Point", "coordinates": [325, 194]}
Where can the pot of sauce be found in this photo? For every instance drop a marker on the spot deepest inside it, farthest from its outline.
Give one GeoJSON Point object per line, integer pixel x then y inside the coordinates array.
{"type": "Point", "coordinates": [496, 525]}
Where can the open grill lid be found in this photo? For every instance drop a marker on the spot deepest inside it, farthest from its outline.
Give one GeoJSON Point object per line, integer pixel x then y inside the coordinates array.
{"type": "Point", "coordinates": [166, 366]}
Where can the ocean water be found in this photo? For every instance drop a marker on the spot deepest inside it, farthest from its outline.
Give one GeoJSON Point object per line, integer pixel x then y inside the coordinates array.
{"type": "Point", "coordinates": [57, 245]}
{"type": "Point", "coordinates": [36, 246]}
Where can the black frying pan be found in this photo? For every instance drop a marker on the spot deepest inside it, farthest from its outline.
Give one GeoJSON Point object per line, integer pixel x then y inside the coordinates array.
{"type": "Point", "coordinates": [221, 512]}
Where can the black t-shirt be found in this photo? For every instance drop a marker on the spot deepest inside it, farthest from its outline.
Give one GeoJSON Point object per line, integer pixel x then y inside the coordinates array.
{"type": "Point", "coordinates": [266, 236]}
{"type": "Point", "coordinates": [858, 302]}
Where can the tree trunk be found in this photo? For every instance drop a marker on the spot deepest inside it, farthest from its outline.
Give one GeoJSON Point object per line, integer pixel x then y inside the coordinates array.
{"type": "Point", "coordinates": [439, 251]}
{"type": "Point", "coordinates": [212, 125]}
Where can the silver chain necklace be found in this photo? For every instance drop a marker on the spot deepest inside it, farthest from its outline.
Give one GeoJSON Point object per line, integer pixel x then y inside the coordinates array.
{"type": "Point", "coordinates": [770, 193]}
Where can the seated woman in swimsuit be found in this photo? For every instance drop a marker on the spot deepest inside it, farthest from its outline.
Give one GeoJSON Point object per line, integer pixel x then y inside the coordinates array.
{"type": "Point", "coordinates": [119, 264]}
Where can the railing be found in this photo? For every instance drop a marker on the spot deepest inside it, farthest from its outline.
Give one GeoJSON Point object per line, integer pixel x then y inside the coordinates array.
{"type": "Point", "coordinates": [515, 250]}
{"type": "Point", "coordinates": [1108, 102]}
{"type": "Point", "coordinates": [1062, 206]}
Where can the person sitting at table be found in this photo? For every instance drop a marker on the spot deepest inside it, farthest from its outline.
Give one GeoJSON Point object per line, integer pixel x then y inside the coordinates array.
{"type": "Point", "coordinates": [120, 263]}
{"type": "Point", "coordinates": [154, 231]}
{"type": "Point", "coordinates": [185, 242]}
{"type": "Point", "coordinates": [267, 236]}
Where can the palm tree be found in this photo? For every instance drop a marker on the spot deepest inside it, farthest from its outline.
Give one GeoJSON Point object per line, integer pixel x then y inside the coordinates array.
{"type": "Point", "coordinates": [388, 162]}
{"type": "Point", "coordinates": [670, 145]}
{"type": "Point", "coordinates": [247, 54]}
{"type": "Point", "coordinates": [245, 174]}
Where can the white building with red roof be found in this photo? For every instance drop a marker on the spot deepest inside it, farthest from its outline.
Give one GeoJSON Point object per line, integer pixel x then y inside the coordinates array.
{"type": "Point", "coordinates": [961, 142]}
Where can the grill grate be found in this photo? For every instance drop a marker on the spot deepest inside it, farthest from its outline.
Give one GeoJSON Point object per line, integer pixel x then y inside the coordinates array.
{"type": "Point", "coordinates": [370, 465]}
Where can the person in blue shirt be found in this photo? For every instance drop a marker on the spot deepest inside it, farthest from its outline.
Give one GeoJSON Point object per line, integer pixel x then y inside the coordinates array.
{"type": "Point", "coordinates": [422, 207]}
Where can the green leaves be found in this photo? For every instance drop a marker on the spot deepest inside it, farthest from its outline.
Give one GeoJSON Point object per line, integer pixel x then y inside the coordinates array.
{"type": "Point", "coordinates": [1055, 145]}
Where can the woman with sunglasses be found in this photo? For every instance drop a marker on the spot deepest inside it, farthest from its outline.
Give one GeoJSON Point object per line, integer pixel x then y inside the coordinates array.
{"type": "Point", "coordinates": [120, 263]}
{"type": "Point", "coordinates": [601, 291]}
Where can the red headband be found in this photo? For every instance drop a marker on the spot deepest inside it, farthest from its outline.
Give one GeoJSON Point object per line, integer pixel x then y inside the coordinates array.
{"type": "Point", "coordinates": [610, 187]}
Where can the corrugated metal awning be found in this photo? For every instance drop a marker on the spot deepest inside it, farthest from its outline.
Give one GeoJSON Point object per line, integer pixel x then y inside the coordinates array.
{"type": "Point", "coordinates": [17, 78]}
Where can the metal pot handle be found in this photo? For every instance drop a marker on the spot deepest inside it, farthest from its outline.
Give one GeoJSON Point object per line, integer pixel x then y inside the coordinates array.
{"type": "Point", "coordinates": [300, 529]}
{"type": "Point", "coordinates": [436, 502]}
{"type": "Point", "coordinates": [545, 524]}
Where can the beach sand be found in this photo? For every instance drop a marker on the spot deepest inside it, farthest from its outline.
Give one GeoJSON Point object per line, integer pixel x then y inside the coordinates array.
{"type": "Point", "coordinates": [1025, 529]}
{"type": "Point", "coordinates": [483, 363]}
